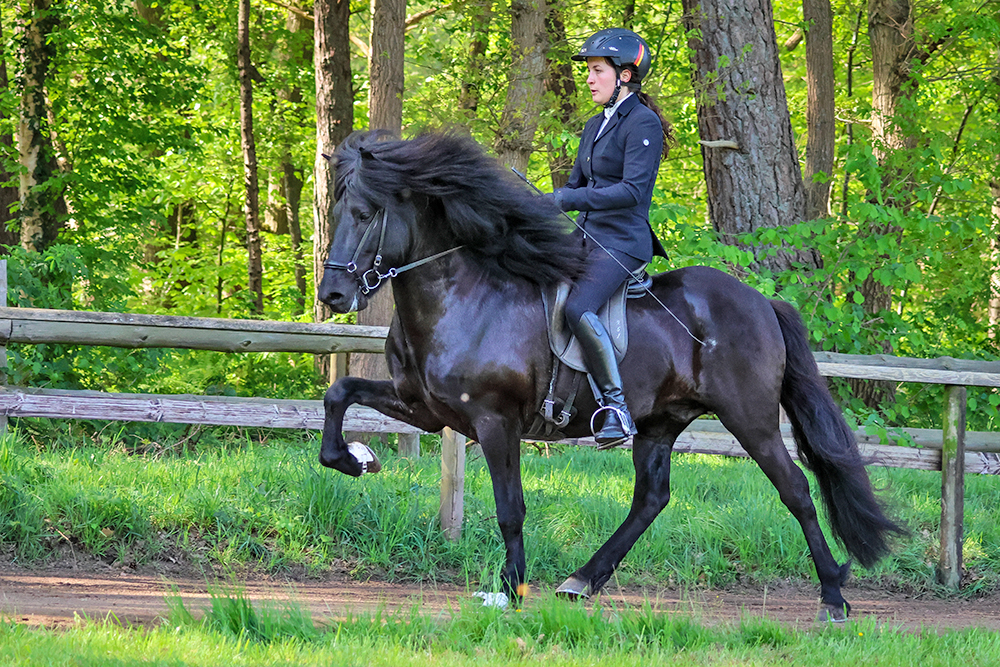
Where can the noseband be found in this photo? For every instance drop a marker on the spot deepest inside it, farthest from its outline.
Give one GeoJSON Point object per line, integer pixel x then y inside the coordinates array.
{"type": "Point", "coordinates": [370, 280]}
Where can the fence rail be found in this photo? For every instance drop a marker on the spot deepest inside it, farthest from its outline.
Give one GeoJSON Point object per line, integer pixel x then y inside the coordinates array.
{"type": "Point", "coordinates": [74, 327]}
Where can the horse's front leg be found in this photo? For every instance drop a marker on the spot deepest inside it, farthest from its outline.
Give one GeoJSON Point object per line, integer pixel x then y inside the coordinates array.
{"type": "Point", "coordinates": [380, 395]}
{"type": "Point", "coordinates": [501, 445]}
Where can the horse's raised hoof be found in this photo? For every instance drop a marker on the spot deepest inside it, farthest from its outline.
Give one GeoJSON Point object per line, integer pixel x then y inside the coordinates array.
{"type": "Point", "coordinates": [365, 457]}
{"type": "Point", "coordinates": [574, 589]}
{"type": "Point", "coordinates": [829, 613]}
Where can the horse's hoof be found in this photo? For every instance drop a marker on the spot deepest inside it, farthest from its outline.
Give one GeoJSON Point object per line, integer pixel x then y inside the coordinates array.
{"type": "Point", "coordinates": [365, 457]}
{"type": "Point", "coordinates": [574, 589]}
{"type": "Point", "coordinates": [829, 613]}
{"type": "Point", "coordinates": [498, 600]}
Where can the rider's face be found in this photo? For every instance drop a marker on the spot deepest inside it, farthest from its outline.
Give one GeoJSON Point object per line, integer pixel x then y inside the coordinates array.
{"type": "Point", "coordinates": [601, 79]}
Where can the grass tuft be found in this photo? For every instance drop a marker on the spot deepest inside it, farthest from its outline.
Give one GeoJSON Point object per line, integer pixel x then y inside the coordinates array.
{"type": "Point", "coordinates": [235, 615]}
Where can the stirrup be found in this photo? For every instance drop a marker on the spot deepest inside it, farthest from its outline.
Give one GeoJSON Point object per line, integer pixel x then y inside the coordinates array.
{"type": "Point", "coordinates": [623, 420]}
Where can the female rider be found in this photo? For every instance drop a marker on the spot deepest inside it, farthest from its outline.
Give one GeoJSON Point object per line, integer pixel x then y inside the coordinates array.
{"type": "Point", "coordinates": [612, 185]}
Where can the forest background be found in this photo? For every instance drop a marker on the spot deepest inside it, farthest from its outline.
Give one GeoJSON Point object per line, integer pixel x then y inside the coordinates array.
{"type": "Point", "coordinates": [166, 157]}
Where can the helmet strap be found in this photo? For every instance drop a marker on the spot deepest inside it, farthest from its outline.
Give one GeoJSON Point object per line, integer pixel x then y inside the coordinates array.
{"type": "Point", "coordinates": [614, 96]}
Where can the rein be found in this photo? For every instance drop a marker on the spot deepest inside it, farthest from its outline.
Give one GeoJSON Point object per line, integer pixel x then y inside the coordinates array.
{"type": "Point", "coordinates": [372, 278]}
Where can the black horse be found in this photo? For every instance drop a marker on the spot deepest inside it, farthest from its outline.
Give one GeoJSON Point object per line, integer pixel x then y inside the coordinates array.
{"type": "Point", "coordinates": [467, 248]}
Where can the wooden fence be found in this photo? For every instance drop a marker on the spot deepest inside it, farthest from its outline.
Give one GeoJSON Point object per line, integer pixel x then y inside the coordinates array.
{"type": "Point", "coordinates": [951, 450]}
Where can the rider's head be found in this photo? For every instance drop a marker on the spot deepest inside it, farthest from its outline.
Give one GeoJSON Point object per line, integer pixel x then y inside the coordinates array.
{"type": "Point", "coordinates": [625, 52]}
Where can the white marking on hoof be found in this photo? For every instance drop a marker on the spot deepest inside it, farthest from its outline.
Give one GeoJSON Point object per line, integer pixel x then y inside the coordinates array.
{"type": "Point", "coordinates": [574, 589]}
{"type": "Point", "coordinates": [498, 600]}
{"type": "Point", "coordinates": [365, 456]}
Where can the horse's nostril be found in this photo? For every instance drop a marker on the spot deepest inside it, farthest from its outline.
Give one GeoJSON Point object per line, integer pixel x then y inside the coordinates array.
{"type": "Point", "coordinates": [331, 297]}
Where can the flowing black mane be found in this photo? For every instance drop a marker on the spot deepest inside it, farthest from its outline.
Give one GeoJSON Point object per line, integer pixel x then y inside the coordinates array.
{"type": "Point", "coordinates": [483, 206]}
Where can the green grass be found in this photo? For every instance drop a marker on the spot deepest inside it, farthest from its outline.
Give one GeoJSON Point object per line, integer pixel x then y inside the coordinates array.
{"type": "Point", "coordinates": [232, 504]}
{"type": "Point", "coordinates": [235, 504]}
{"type": "Point", "coordinates": [553, 631]}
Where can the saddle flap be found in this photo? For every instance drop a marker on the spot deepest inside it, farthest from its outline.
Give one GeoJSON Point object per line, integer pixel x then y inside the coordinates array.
{"type": "Point", "coordinates": [564, 345]}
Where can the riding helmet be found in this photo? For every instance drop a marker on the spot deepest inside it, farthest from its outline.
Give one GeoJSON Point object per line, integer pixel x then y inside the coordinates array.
{"type": "Point", "coordinates": [621, 46]}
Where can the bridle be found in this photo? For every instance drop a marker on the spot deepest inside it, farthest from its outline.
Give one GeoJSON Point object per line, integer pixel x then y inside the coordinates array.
{"type": "Point", "coordinates": [371, 279]}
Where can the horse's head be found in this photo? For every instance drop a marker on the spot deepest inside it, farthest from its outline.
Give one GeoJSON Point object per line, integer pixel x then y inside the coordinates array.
{"type": "Point", "coordinates": [371, 234]}
{"type": "Point", "coordinates": [401, 204]}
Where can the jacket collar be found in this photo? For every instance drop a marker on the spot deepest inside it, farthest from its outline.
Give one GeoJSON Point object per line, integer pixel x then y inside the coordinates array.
{"type": "Point", "coordinates": [623, 110]}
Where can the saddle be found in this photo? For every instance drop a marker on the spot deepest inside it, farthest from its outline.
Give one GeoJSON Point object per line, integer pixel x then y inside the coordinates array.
{"type": "Point", "coordinates": [568, 352]}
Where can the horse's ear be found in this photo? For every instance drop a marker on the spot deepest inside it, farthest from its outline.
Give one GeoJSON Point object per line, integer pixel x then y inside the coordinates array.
{"type": "Point", "coordinates": [328, 157]}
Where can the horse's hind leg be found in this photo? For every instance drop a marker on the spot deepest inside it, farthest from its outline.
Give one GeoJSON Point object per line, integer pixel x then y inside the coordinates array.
{"type": "Point", "coordinates": [651, 459]}
{"type": "Point", "coordinates": [768, 450]}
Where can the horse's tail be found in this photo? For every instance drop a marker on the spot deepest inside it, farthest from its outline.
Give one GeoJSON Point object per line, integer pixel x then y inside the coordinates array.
{"type": "Point", "coordinates": [826, 445]}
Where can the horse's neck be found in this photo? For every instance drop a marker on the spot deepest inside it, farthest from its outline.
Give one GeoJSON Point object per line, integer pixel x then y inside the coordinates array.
{"type": "Point", "coordinates": [456, 288]}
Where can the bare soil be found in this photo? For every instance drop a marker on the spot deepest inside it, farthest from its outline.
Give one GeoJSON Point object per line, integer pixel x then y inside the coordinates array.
{"type": "Point", "coordinates": [57, 595]}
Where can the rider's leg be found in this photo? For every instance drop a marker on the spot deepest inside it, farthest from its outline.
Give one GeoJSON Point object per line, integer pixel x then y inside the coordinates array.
{"type": "Point", "coordinates": [604, 274]}
{"type": "Point", "coordinates": [599, 352]}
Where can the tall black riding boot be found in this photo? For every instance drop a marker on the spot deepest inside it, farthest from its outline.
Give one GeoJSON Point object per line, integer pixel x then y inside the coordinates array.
{"type": "Point", "coordinates": [599, 353]}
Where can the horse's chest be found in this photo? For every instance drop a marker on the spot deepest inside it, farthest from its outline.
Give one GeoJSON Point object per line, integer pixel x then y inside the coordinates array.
{"type": "Point", "coordinates": [465, 358]}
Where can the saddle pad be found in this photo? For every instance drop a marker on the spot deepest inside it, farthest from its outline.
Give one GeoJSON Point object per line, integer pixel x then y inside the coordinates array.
{"type": "Point", "coordinates": [562, 341]}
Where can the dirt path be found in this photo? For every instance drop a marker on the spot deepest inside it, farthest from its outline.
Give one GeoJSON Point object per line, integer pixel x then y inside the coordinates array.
{"type": "Point", "coordinates": [55, 596]}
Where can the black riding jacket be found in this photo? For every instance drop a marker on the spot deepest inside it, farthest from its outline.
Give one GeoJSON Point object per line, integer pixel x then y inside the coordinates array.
{"type": "Point", "coordinates": [613, 177]}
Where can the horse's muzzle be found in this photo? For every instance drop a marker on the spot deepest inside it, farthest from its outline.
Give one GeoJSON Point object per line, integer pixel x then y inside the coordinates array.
{"type": "Point", "coordinates": [341, 292]}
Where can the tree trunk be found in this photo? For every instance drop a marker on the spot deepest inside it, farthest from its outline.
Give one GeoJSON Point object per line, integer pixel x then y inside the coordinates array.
{"type": "Point", "coordinates": [519, 120]}
{"type": "Point", "coordinates": [291, 177]}
{"type": "Point", "coordinates": [480, 14]}
{"type": "Point", "coordinates": [628, 14]}
{"type": "Point", "coordinates": [255, 270]}
{"type": "Point", "coordinates": [820, 117]}
{"type": "Point", "coordinates": [741, 100]}
{"type": "Point", "coordinates": [39, 222]}
{"type": "Point", "coordinates": [334, 121]}
{"type": "Point", "coordinates": [385, 68]}
{"type": "Point", "coordinates": [275, 211]}
{"type": "Point", "coordinates": [890, 33]}
{"type": "Point", "coordinates": [150, 14]}
{"type": "Point", "coordinates": [8, 193]}
{"type": "Point", "coordinates": [385, 112]}
{"type": "Point", "coordinates": [560, 82]}
{"type": "Point", "coordinates": [849, 126]}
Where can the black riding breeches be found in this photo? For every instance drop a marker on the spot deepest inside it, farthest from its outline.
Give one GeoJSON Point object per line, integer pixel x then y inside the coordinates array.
{"type": "Point", "coordinates": [601, 277]}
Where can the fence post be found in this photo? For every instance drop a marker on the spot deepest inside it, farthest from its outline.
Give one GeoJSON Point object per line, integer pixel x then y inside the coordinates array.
{"type": "Point", "coordinates": [952, 487]}
{"type": "Point", "coordinates": [452, 483]}
{"type": "Point", "coordinates": [408, 445]}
